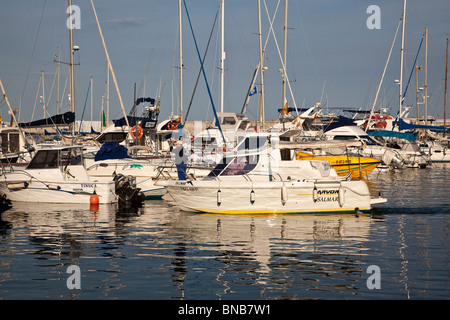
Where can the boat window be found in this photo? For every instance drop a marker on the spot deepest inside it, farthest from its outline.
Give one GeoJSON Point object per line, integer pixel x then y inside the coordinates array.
{"type": "Point", "coordinates": [241, 165]}
{"type": "Point", "coordinates": [252, 143]}
{"type": "Point", "coordinates": [112, 137]}
{"type": "Point", "coordinates": [9, 142]}
{"type": "Point", "coordinates": [228, 120]}
{"type": "Point", "coordinates": [220, 167]}
{"type": "Point", "coordinates": [344, 138]}
{"type": "Point", "coordinates": [71, 157]}
{"type": "Point", "coordinates": [44, 159]}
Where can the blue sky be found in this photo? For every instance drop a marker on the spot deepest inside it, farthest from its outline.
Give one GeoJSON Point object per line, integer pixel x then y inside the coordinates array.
{"type": "Point", "coordinates": [332, 56]}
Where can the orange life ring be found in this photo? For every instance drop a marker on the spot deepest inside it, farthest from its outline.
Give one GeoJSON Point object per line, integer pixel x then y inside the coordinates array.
{"type": "Point", "coordinates": [172, 125]}
{"type": "Point", "coordinates": [137, 132]}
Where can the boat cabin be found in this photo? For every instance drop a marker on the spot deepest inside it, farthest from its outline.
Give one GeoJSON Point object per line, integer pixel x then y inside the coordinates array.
{"type": "Point", "coordinates": [68, 159]}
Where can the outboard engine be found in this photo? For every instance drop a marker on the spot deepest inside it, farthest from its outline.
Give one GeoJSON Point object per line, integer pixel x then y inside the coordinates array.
{"type": "Point", "coordinates": [126, 189]}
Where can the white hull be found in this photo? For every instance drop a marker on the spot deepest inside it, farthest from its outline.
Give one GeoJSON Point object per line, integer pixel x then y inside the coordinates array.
{"type": "Point", "coordinates": [239, 195]}
{"type": "Point", "coordinates": [22, 188]}
{"type": "Point", "coordinates": [144, 170]}
{"type": "Point", "coordinates": [439, 155]}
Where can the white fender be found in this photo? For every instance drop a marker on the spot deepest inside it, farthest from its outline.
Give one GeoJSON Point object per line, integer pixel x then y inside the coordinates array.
{"type": "Point", "coordinates": [341, 196]}
{"type": "Point", "coordinates": [315, 194]}
{"type": "Point", "coordinates": [219, 197]}
{"type": "Point", "coordinates": [284, 193]}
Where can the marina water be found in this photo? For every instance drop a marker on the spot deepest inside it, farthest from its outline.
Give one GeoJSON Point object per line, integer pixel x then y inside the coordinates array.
{"type": "Point", "coordinates": [158, 252]}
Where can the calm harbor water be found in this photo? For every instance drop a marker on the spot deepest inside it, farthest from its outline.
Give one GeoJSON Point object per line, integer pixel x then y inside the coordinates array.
{"type": "Point", "coordinates": [157, 252]}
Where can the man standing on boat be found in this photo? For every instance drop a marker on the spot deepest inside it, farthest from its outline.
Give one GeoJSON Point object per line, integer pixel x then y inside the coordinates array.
{"type": "Point", "coordinates": [181, 159]}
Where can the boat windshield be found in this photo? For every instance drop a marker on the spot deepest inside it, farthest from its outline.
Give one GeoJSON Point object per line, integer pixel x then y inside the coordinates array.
{"type": "Point", "coordinates": [235, 166]}
{"type": "Point", "coordinates": [44, 159]}
{"type": "Point", "coordinates": [244, 160]}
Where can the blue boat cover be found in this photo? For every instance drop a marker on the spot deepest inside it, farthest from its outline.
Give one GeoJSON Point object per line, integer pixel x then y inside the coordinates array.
{"type": "Point", "coordinates": [59, 119]}
{"type": "Point", "coordinates": [340, 122]}
{"type": "Point", "coordinates": [403, 125]}
{"type": "Point", "coordinates": [111, 150]}
{"type": "Point", "coordinates": [386, 133]}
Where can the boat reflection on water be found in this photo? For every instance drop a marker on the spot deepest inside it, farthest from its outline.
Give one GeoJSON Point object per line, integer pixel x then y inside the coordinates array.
{"type": "Point", "coordinates": [174, 252]}
{"type": "Point", "coordinates": [273, 252]}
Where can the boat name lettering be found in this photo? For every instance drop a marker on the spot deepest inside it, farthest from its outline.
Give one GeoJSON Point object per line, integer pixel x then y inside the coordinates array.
{"type": "Point", "coordinates": [327, 199]}
{"type": "Point", "coordinates": [88, 185]}
{"type": "Point", "coordinates": [328, 195]}
{"type": "Point", "coordinates": [189, 188]}
{"type": "Point", "coordinates": [321, 192]}
{"type": "Point", "coordinates": [343, 161]}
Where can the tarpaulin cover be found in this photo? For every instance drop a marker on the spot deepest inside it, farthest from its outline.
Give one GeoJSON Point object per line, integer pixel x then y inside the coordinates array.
{"type": "Point", "coordinates": [59, 119]}
{"type": "Point", "coordinates": [111, 150]}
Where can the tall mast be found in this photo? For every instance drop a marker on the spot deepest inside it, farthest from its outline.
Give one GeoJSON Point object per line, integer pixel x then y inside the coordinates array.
{"type": "Point", "coordinates": [92, 104]}
{"type": "Point", "coordinates": [181, 58]}
{"type": "Point", "coordinates": [283, 97]}
{"type": "Point", "coordinates": [261, 61]}
{"type": "Point", "coordinates": [72, 81]}
{"type": "Point", "coordinates": [43, 94]}
{"type": "Point", "coordinates": [401, 59]}
{"type": "Point", "coordinates": [222, 60]}
{"type": "Point", "coordinates": [445, 90]}
{"type": "Point", "coordinates": [426, 77]}
{"type": "Point", "coordinates": [107, 93]}
{"type": "Point", "coordinates": [57, 83]}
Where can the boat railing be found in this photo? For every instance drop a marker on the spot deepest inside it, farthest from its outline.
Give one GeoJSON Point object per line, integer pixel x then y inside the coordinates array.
{"type": "Point", "coordinates": [164, 171]}
{"type": "Point", "coordinates": [9, 166]}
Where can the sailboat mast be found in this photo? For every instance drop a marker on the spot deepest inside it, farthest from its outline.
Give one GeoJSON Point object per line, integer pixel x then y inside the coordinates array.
{"type": "Point", "coordinates": [57, 83]}
{"type": "Point", "coordinates": [222, 60]}
{"type": "Point", "coordinates": [71, 65]}
{"type": "Point", "coordinates": [181, 58]}
{"type": "Point", "coordinates": [283, 97]}
{"type": "Point", "coordinates": [92, 104]}
{"type": "Point", "coordinates": [426, 77]}
{"type": "Point", "coordinates": [43, 93]}
{"type": "Point", "coordinates": [261, 61]}
{"type": "Point", "coordinates": [401, 59]}
{"type": "Point", "coordinates": [445, 90]}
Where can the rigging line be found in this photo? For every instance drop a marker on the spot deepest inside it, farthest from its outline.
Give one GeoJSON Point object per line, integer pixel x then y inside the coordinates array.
{"type": "Point", "coordinates": [258, 66]}
{"type": "Point", "coordinates": [204, 75]}
{"type": "Point", "coordinates": [307, 44]}
{"type": "Point", "coordinates": [382, 77]}
{"type": "Point", "coordinates": [84, 108]}
{"type": "Point", "coordinates": [22, 43]}
{"type": "Point", "coordinates": [34, 48]}
{"type": "Point", "coordinates": [35, 99]}
{"type": "Point", "coordinates": [200, 71]}
{"type": "Point", "coordinates": [282, 63]}
{"type": "Point", "coordinates": [49, 95]}
{"type": "Point", "coordinates": [412, 70]}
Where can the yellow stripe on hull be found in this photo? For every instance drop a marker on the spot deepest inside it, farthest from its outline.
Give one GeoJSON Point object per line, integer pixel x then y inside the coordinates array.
{"type": "Point", "coordinates": [218, 211]}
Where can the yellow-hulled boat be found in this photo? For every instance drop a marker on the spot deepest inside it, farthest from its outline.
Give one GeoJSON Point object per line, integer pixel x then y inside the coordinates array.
{"type": "Point", "coordinates": [358, 166]}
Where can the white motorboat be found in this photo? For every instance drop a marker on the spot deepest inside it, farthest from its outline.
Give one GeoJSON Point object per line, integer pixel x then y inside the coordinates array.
{"type": "Point", "coordinates": [255, 179]}
{"type": "Point", "coordinates": [55, 174]}
{"type": "Point", "coordinates": [145, 172]}
{"type": "Point", "coordinates": [401, 153]}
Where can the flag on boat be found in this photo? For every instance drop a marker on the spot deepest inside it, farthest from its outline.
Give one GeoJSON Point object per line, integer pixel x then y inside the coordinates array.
{"type": "Point", "coordinates": [285, 109]}
{"type": "Point", "coordinates": [103, 120]}
{"type": "Point", "coordinates": [253, 91]}
{"type": "Point", "coordinates": [297, 121]}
